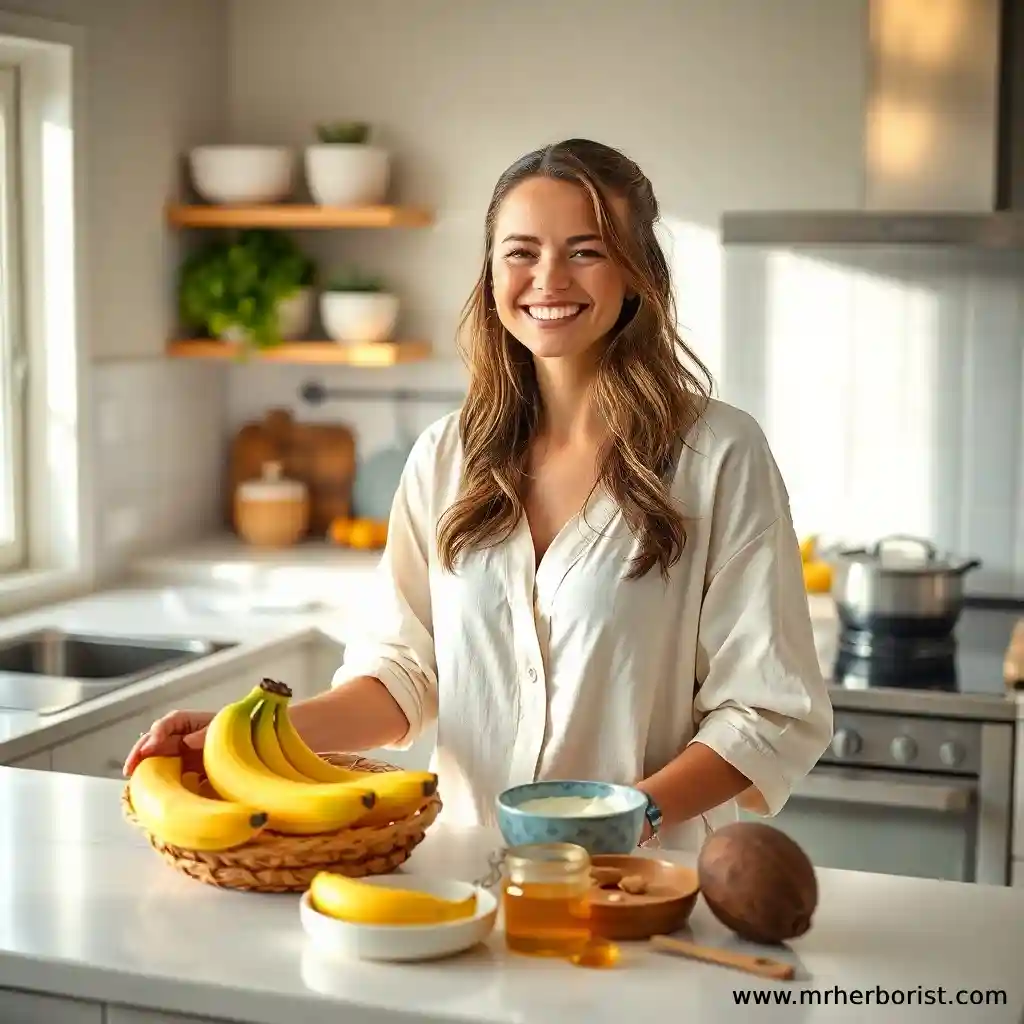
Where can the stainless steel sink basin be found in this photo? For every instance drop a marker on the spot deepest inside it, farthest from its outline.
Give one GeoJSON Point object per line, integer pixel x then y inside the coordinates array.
{"type": "Point", "coordinates": [50, 670]}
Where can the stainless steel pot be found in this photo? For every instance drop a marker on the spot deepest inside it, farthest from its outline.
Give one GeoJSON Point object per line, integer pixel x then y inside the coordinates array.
{"type": "Point", "coordinates": [901, 586]}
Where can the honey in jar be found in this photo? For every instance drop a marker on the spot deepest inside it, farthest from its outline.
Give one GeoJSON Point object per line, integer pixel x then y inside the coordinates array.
{"type": "Point", "coordinates": [545, 899]}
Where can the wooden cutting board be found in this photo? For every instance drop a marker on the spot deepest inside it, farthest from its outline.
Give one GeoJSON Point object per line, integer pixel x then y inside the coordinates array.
{"type": "Point", "coordinates": [322, 455]}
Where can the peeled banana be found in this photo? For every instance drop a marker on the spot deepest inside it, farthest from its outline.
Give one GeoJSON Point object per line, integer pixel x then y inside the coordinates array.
{"type": "Point", "coordinates": [398, 793]}
{"type": "Point", "coordinates": [183, 817]}
{"type": "Point", "coordinates": [237, 773]}
{"type": "Point", "coordinates": [350, 899]}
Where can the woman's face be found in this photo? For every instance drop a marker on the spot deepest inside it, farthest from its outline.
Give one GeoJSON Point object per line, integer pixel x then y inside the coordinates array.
{"type": "Point", "coordinates": [556, 288]}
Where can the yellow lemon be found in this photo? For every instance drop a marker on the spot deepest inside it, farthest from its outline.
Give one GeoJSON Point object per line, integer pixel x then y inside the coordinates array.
{"type": "Point", "coordinates": [807, 548]}
{"type": "Point", "coordinates": [817, 577]}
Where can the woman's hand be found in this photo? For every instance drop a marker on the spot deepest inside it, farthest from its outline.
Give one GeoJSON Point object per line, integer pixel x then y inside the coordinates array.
{"type": "Point", "coordinates": [180, 732]}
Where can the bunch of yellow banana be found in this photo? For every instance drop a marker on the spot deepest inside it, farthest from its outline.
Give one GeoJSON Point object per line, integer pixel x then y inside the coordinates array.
{"type": "Point", "coordinates": [281, 748]}
{"type": "Point", "coordinates": [167, 807]}
{"type": "Point", "coordinates": [252, 751]}
{"type": "Point", "coordinates": [350, 899]}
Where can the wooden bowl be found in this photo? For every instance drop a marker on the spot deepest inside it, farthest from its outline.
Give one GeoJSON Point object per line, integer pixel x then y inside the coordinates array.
{"type": "Point", "coordinates": [665, 907]}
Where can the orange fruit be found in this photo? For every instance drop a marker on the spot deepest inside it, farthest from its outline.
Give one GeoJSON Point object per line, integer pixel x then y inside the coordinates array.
{"type": "Point", "coordinates": [362, 535]}
{"type": "Point", "coordinates": [340, 530]}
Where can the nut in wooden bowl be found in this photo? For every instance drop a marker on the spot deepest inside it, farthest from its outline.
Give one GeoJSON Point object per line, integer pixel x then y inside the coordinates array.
{"type": "Point", "coordinates": [636, 897]}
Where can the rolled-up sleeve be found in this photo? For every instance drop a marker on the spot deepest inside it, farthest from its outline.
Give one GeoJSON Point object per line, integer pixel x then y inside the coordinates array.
{"type": "Point", "coordinates": [395, 642]}
{"type": "Point", "coordinates": [762, 703]}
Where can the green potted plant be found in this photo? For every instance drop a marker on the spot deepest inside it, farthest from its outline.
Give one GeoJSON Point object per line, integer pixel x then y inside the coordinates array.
{"type": "Point", "coordinates": [344, 169]}
{"type": "Point", "coordinates": [357, 308]}
{"type": "Point", "coordinates": [256, 289]}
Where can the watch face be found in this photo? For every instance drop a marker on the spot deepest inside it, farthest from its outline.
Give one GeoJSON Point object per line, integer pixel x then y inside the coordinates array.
{"type": "Point", "coordinates": [653, 814]}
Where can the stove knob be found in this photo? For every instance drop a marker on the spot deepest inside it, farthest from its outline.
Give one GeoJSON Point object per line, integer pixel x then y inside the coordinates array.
{"type": "Point", "coordinates": [903, 749]}
{"type": "Point", "coordinates": [951, 753]}
{"type": "Point", "coordinates": [845, 743]}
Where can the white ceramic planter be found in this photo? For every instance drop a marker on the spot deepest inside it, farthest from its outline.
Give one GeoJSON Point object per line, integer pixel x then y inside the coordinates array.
{"type": "Point", "coordinates": [294, 318]}
{"type": "Point", "coordinates": [295, 315]}
{"type": "Point", "coordinates": [242, 174]}
{"type": "Point", "coordinates": [347, 174]}
{"type": "Point", "coordinates": [359, 317]}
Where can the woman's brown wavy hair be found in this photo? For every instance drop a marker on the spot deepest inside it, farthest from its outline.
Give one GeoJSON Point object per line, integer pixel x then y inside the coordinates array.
{"type": "Point", "coordinates": [650, 387]}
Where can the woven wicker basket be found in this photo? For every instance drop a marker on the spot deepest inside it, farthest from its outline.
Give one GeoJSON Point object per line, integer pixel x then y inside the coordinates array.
{"type": "Point", "coordinates": [273, 862]}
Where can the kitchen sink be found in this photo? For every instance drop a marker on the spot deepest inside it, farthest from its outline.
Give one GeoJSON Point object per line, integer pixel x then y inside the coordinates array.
{"type": "Point", "coordinates": [50, 670]}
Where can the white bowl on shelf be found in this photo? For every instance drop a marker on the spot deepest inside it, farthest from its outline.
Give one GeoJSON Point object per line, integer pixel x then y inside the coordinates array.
{"type": "Point", "coordinates": [347, 174]}
{"type": "Point", "coordinates": [406, 942]}
{"type": "Point", "coordinates": [243, 174]}
{"type": "Point", "coordinates": [358, 318]}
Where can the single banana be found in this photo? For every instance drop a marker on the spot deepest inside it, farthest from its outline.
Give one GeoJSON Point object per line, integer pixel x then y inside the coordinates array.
{"type": "Point", "coordinates": [237, 773]}
{"type": "Point", "coordinates": [268, 748]}
{"type": "Point", "coordinates": [350, 899]}
{"type": "Point", "coordinates": [177, 815]}
{"type": "Point", "coordinates": [398, 793]}
{"type": "Point", "coordinates": [301, 757]}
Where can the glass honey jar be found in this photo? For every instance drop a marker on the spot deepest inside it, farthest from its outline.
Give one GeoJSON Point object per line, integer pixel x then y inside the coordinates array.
{"type": "Point", "coordinates": [545, 899]}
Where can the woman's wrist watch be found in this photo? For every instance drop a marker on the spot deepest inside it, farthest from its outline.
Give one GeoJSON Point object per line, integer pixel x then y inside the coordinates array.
{"type": "Point", "coordinates": [652, 812]}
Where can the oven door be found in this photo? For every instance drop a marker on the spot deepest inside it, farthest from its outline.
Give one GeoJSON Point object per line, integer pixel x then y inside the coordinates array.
{"type": "Point", "coordinates": [895, 823]}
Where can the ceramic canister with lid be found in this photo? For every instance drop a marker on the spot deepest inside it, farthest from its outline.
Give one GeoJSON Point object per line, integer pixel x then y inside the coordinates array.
{"type": "Point", "coordinates": [272, 510]}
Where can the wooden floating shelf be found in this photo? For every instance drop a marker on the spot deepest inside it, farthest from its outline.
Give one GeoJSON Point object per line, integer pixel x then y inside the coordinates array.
{"type": "Point", "coordinates": [294, 215]}
{"type": "Point", "coordinates": [384, 353]}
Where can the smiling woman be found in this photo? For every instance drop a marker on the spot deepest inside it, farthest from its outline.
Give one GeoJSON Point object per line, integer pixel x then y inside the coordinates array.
{"type": "Point", "coordinates": [591, 570]}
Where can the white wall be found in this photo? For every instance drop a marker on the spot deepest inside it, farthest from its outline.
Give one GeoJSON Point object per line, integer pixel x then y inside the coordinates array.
{"type": "Point", "coordinates": [734, 103]}
{"type": "Point", "coordinates": [889, 383]}
{"type": "Point", "coordinates": [155, 85]}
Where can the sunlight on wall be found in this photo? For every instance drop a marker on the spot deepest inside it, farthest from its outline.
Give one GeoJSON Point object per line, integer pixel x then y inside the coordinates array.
{"type": "Point", "coordinates": [851, 377]}
{"type": "Point", "coordinates": [694, 255]}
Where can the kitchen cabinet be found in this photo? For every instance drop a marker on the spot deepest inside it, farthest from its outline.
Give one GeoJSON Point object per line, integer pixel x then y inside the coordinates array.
{"type": "Point", "coordinates": [102, 751]}
{"type": "Point", "coordinates": [1018, 814]}
{"type": "Point", "coordinates": [127, 1015]}
{"type": "Point", "coordinates": [17, 1007]}
{"type": "Point", "coordinates": [40, 761]}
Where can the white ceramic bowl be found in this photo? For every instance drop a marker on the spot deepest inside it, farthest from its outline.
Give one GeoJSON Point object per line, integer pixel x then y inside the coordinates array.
{"type": "Point", "coordinates": [358, 318]}
{"type": "Point", "coordinates": [403, 942]}
{"type": "Point", "coordinates": [341, 174]}
{"type": "Point", "coordinates": [243, 174]}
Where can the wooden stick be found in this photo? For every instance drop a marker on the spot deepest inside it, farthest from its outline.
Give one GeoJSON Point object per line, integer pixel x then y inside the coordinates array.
{"type": "Point", "coordinates": [760, 965]}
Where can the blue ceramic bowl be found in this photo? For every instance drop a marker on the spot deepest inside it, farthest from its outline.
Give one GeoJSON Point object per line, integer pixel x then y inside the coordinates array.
{"type": "Point", "coordinates": [618, 831]}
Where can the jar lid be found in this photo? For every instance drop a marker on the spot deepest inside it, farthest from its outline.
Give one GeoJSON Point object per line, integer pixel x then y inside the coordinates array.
{"type": "Point", "coordinates": [272, 485]}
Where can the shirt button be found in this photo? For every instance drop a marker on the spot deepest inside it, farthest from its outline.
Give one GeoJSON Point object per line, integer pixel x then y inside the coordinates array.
{"type": "Point", "coordinates": [533, 675]}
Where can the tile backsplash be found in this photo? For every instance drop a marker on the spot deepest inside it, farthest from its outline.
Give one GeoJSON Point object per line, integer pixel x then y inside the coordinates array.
{"type": "Point", "coordinates": [159, 441]}
{"type": "Point", "coordinates": [889, 384]}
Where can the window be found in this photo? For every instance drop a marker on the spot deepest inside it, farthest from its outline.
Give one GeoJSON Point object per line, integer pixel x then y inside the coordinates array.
{"type": "Point", "coordinates": [13, 366]}
{"type": "Point", "coordinates": [45, 500]}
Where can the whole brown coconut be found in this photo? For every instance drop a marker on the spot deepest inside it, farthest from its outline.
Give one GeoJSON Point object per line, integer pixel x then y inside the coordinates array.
{"type": "Point", "coordinates": [758, 882]}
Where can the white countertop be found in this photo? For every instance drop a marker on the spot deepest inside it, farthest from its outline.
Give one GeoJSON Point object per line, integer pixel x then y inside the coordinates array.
{"type": "Point", "coordinates": [89, 910]}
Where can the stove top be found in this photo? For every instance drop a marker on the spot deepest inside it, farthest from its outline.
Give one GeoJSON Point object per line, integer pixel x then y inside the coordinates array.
{"type": "Point", "coordinates": [970, 661]}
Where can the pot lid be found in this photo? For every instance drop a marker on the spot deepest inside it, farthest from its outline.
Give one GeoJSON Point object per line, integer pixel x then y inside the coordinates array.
{"type": "Point", "coordinates": [909, 556]}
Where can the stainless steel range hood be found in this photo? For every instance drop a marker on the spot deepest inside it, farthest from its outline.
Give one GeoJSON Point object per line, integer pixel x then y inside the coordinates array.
{"type": "Point", "coordinates": [943, 135]}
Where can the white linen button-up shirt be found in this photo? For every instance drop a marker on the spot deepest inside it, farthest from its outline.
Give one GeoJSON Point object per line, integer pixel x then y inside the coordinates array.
{"type": "Point", "coordinates": [568, 670]}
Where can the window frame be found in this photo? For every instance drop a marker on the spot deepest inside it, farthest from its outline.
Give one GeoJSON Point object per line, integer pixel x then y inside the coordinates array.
{"type": "Point", "coordinates": [59, 560]}
{"type": "Point", "coordinates": [13, 354]}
